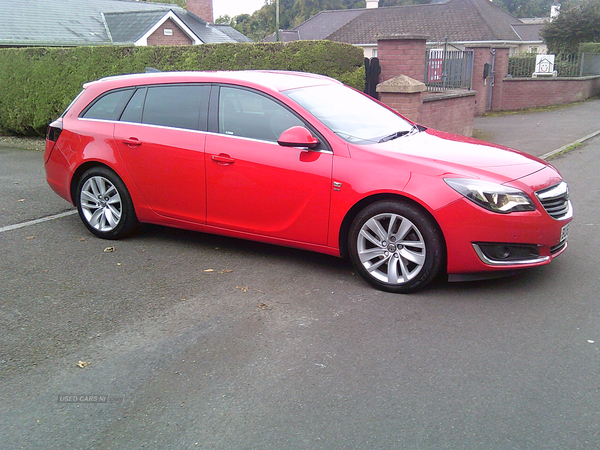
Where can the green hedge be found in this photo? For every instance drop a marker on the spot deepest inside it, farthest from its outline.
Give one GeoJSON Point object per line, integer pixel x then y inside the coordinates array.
{"type": "Point", "coordinates": [589, 47]}
{"type": "Point", "coordinates": [37, 84]}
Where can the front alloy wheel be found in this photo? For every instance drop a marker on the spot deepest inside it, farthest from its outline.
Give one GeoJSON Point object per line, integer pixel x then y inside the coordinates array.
{"type": "Point", "coordinates": [396, 247]}
{"type": "Point", "coordinates": [104, 204]}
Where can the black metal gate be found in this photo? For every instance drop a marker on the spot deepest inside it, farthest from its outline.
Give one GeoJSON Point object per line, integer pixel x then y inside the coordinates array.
{"type": "Point", "coordinates": [372, 72]}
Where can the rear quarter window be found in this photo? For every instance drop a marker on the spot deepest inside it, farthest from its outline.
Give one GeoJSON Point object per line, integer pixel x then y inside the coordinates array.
{"type": "Point", "coordinates": [108, 106]}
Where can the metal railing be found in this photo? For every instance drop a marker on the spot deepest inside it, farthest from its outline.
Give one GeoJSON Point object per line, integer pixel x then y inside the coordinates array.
{"type": "Point", "coordinates": [575, 65]}
{"type": "Point", "coordinates": [446, 69]}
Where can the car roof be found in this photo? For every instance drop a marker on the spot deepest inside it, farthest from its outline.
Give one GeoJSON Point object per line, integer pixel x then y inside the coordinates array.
{"type": "Point", "coordinates": [275, 80]}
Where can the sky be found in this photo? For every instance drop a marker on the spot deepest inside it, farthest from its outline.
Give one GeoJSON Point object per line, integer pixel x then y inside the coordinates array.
{"type": "Point", "coordinates": [236, 7]}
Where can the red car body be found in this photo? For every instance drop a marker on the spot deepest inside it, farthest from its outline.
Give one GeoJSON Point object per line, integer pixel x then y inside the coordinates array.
{"type": "Point", "coordinates": [248, 188]}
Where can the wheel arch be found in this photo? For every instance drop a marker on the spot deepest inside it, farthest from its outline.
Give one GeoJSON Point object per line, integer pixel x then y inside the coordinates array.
{"type": "Point", "coordinates": [363, 203]}
{"type": "Point", "coordinates": [83, 169]}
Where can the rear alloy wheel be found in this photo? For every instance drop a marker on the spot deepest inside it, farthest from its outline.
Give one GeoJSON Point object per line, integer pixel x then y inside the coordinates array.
{"type": "Point", "coordinates": [104, 205]}
{"type": "Point", "coordinates": [396, 247]}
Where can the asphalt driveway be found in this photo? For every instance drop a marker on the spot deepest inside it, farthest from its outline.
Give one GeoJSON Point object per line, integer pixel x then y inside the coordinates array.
{"type": "Point", "coordinates": [180, 340]}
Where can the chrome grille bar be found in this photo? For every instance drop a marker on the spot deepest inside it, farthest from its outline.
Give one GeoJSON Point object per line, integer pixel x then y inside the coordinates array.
{"type": "Point", "coordinates": [555, 201]}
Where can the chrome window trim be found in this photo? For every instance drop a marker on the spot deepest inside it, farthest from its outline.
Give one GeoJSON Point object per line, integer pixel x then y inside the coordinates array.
{"type": "Point", "coordinates": [232, 136]}
{"type": "Point", "coordinates": [327, 151]}
{"type": "Point", "coordinates": [145, 125]}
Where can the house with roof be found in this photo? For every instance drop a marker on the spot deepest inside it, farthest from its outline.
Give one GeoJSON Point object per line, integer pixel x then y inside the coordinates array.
{"type": "Point", "coordinates": [463, 23]}
{"type": "Point", "coordinates": [64, 23]}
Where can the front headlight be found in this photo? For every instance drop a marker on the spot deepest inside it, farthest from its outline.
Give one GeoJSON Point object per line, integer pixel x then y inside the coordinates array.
{"type": "Point", "coordinates": [491, 196]}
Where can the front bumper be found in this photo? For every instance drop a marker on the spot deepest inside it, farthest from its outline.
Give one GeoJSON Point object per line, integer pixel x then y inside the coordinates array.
{"type": "Point", "coordinates": [474, 234]}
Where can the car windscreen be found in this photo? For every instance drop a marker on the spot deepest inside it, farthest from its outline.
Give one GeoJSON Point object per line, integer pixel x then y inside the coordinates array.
{"type": "Point", "coordinates": [349, 114]}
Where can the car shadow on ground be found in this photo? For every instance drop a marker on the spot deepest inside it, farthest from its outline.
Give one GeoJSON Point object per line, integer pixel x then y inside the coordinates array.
{"type": "Point", "coordinates": [519, 281]}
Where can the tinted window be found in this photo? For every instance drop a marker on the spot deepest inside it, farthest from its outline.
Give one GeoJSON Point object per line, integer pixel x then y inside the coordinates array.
{"type": "Point", "coordinates": [176, 106]}
{"type": "Point", "coordinates": [109, 106]}
{"type": "Point", "coordinates": [133, 111]}
{"type": "Point", "coordinates": [248, 114]}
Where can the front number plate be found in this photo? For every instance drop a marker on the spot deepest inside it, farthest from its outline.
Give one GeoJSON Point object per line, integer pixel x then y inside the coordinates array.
{"type": "Point", "coordinates": [564, 232]}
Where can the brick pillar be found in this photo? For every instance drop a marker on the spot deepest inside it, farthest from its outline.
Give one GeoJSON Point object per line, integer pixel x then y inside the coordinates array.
{"type": "Point", "coordinates": [402, 54]}
{"type": "Point", "coordinates": [403, 94]}
{"type": "Point", "coordinates": [481, 56]}
{"type": "Point", "coordinates": [201, 8]}
{"type": "Point", "coordinates": [500, 73]}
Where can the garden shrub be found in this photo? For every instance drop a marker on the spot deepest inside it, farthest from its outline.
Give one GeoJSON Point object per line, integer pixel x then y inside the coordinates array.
{"type": "Point", "coordinates": [37, 84]}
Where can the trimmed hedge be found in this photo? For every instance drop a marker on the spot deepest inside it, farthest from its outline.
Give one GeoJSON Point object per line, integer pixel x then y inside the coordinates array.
{"type": "Point", "coordinates": [589, 47]}
{"type": "Point", "coordinates": [37, 84]}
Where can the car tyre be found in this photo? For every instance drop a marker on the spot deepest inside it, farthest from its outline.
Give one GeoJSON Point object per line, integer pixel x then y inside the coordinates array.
{"type": "Point", "coordinates": [104, 204]}
{"type": "Point", "coordinates": [396, 247]}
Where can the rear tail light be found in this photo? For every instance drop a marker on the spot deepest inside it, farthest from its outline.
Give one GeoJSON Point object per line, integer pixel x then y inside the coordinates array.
{"type": "Point", "coordinates": [52, 133]}
{"type": "Point", "coordinates": [54, 130]}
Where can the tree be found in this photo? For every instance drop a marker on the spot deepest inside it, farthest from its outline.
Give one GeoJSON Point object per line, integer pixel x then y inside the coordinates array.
{"type": "Point", "coordinates": [526, 8]}
{"type": "Point", "coordinates": [180, 3]}
{"type": "Point", "coordinates": [577, 23]}
{"type": "Point", "coordinates": [225, 20]}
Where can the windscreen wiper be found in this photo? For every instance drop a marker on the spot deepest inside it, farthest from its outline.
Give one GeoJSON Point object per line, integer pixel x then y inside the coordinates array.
{"type": "Point", "coordinates": [398, 134]}
{"type": "Point", "coordinates": [395, 135]}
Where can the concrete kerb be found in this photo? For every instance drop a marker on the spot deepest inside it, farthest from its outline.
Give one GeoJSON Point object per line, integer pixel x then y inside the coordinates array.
{"type": "Point", "coordinates": [564, 147]}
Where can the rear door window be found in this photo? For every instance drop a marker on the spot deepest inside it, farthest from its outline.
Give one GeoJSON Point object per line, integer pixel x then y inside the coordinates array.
{"type": "Point", "coordinates": [177, 106]}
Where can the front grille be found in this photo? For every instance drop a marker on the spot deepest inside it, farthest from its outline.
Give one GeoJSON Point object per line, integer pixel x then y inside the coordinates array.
{"type": "Point", "coordinates": [555, 200]}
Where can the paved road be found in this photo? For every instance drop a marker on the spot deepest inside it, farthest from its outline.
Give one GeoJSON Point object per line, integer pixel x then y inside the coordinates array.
{"type": "Point", "coordinates": [214, 343]}
{"type": "Point", "coordinates": [541, 132]}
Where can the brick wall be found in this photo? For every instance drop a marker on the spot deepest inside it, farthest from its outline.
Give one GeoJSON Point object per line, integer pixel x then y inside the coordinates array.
{"type": "Point", "coordinates": [520, 93]}
{"type": "Point", "coordinates": [450, 111]}
{"type": "Point", "coordinates": [405, 55]}
{"type": "Point", "coordinates": [178, 37]}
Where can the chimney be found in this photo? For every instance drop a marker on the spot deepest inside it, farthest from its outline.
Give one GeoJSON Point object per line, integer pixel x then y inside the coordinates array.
{"type": "Point", "coordinates": [201, 8]}
{"type": "Point", "coordinates": [372, 4]}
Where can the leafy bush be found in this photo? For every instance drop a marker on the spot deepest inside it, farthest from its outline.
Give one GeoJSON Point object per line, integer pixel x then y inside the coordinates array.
{"type": "Point", "coordinates": [37, 84]}
{"type": "Point", "coordinates": [589, 47]}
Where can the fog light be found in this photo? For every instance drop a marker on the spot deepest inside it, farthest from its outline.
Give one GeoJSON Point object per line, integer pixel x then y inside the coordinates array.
{"type": "Point", "coordinates": [502, 253]}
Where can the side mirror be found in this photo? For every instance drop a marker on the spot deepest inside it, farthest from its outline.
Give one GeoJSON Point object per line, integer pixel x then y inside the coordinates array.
{"type": "Point", "coordinates": [298, 137]}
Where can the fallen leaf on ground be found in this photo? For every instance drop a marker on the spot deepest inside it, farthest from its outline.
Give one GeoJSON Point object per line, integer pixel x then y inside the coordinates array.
{"type": "Point", "coordinates": [243, 289]}
{"type": "Point", "coordinates": [264, 306]}
{"type": "Point", "coordinates": [82, 364]}
{"type": "Point", "coordinates": [226, 271]}
{"type": "Point", "coordinates": [209, 270]}
{"type": "Point", "coordinates": [109, 249]}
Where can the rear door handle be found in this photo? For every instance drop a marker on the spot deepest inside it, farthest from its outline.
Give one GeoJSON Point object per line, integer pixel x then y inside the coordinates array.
{"type": "Point", "coordinates": [132, 142]}
{"type": "Point", "coordinates": [223, 159]}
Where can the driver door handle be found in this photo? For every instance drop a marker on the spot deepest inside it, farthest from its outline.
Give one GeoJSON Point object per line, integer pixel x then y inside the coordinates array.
{"type": "Point", "coordinates": [223, 159]}
{"type": "Point", "coordinates": [132, 142]}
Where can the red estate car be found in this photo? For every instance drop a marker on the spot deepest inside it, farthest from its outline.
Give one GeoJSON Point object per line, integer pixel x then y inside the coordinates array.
{"type": "Point", "coordinates": [303, 161]}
